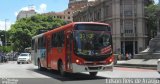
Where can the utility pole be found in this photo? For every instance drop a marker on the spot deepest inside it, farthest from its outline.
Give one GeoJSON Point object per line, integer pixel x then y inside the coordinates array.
{"type": "Point", "coordinates": [5, 42]}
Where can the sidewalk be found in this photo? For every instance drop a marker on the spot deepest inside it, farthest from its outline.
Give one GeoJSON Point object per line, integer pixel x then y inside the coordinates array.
{"type": "Point", "coordinates": [138, 63]}
{"type": "Point", "coordinates": [7, 62]}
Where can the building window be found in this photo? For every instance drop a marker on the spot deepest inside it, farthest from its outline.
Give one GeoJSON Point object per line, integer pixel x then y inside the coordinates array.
{"type": "Point", "coordinates": [127, 8]}
{"type": "Point", "coordinates": [68, 17]}
{"type": "Point", "coordinates": [98, 15]}
{"type": "Point", "coordinates": [128, 26]}
{"type": "Point", "coordinates": [106, 11]}
{"type": "Point", "coordinates": [128, 13]}
{"type": "Point", "coordinates": [68, 12]}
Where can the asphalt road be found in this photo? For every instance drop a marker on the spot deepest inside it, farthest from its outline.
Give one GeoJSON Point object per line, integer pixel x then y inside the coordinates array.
{"type": "Point", "coordinates": [28, 73]}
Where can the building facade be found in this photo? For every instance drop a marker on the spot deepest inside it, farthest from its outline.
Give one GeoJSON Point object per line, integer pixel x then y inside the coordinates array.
{"type": "Point", "coordinates": [66, 15]}
{"type": "Point", "coordinates": [25, 14]}
{"type": "Point", "coordinates": [126, 18]}
{"type": "Point", "coordinates": [76, 3]}
{"type": "Point", "coordinates": [73, 6]}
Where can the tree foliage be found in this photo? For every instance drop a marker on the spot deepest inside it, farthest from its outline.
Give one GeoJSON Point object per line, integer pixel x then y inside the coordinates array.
{"type": "Point", "coordinates": [5, 49]}
{"type": "Point", "coordinates": [24, 29]}
{"type": "Point", "coordinates": [6, 44]}
{"type": "Point", "coordinates": [149, 2]}
{"type": "Point", "coordinates": [151, 13]}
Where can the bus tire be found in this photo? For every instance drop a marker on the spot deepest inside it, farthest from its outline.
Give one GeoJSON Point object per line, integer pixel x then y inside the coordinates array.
{"type": "Point", "coordinates": [61, 69]}
{"type": "Point", "coordinates": [93, 74]}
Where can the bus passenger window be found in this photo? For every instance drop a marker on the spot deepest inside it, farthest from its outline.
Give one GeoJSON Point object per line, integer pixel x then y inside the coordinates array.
{"type": "Point", "coordinates": [58, 39]}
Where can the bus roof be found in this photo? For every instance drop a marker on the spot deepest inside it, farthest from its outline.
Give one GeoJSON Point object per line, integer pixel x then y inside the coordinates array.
{"type": "Point", "coordinates": [39, 35]}
{"type": "Point", "coordinates": [67, 27]}
{"type": "Point", "coordinates": [89, 23]}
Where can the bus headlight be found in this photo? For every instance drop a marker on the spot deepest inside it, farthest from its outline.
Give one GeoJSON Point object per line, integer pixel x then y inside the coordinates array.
{"type": "Point", "coordinates": [110, 60]}
{"type": "Point", "coordinates": [78, 61]}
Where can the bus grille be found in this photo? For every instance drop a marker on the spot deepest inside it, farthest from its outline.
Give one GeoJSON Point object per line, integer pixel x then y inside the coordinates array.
{"type": "Point", "coordinates": [94, 68]}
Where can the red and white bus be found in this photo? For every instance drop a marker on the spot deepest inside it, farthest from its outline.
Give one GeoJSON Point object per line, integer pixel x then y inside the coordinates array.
{"type": "Point", "coordinates": [75, 47]}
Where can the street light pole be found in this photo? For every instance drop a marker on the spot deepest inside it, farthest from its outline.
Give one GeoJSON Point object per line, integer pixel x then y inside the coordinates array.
{"type": "Point", "coordinates": [5, 42]}
{"type": "Point", "coordinates": [5, 35]}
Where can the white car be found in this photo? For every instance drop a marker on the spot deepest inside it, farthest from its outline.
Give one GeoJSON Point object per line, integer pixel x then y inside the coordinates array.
{"type": "Point", "coordinates": [158, 65]}
{"type": "Point", "coordinates": [24, 58]}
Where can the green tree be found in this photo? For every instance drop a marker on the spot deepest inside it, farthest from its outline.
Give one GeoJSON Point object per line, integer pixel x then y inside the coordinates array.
{"type": "Point", "coordinates": [149, 2]}
{"type": "Point", "coordinates": [5, 49]}
{"type": "Point", "coordinates": [151, 19]}
{"type": "Point", "coordinates": [24, 29]}
{"type": "Point", "coordinates": [4, 38]}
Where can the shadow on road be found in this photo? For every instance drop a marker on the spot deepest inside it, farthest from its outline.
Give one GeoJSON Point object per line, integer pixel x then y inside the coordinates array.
{"type": "Point", "coordinates": [69, 76]}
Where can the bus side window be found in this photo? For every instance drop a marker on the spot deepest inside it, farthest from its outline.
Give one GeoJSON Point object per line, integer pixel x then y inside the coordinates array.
{"type": "Point", "coordinates": [58, 39]}
{"type": "Point", "coordinates": [43, 42]}
{"type": "Point", "coordinates": [39, 43]}
{"type": "Point", "coordinates": [36, 45]}
{"type": "Point", "coordinates": [54, 43]}
{"type": "Point", "coordinates": [61, 39]}
{"type": "Point", "coordinates": [33, 43]}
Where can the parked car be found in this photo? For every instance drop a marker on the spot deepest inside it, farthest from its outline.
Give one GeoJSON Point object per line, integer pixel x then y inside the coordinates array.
{"type": "Point", "coordinates": [158, 65]}
{"type": "Point", "coordinates": [24, 58]}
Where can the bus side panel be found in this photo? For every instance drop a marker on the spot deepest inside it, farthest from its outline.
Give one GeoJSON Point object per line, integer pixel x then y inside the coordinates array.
{"type": "Point", "coordinates": [61, 55]}
{"type": "Point", "coordinates": [58, 54]}
{"type": "Point", "coordinates": [33, 58]}
{"type": "Point", "coordinates": [42, 56]}
{"type": "Point", "coordinates": [54, 59]}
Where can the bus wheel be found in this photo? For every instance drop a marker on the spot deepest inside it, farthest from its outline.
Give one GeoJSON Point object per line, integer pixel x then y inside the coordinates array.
{"type": "Point", "coordinates": [93, 74]}
{"type": "Point", "coordinates": [61, 69]}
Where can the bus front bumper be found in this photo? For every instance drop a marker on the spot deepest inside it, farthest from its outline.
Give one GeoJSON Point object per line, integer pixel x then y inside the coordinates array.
{"type": "Point", "coordinates": [91, 68]}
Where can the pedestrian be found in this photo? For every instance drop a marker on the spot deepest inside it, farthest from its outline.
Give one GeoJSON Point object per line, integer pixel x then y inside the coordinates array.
{"type": "Point", "coordinates": [119, 56]}
{"type": "Point", "coordinates": [127, 56]}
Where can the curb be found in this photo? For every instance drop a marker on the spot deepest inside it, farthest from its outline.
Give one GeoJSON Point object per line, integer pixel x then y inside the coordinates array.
{"type": "Point", "coordinates": [152, 67]}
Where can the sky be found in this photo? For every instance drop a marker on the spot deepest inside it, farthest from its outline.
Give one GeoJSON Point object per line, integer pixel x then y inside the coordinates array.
{"type": "Point", "coordinates": [10, 8]}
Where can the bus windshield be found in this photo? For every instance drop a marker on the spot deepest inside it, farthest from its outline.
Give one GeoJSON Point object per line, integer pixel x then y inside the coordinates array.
{"type": "Point", "coordinates": [92, 42]}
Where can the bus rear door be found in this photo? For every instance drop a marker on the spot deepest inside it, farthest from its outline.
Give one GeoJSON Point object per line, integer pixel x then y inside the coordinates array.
{"type": "Point", "coordinates": [49, 51]}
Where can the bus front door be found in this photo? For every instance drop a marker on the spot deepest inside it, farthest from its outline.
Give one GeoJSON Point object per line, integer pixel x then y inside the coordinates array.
{"type": "Point", "coordinates": [68, 52]}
